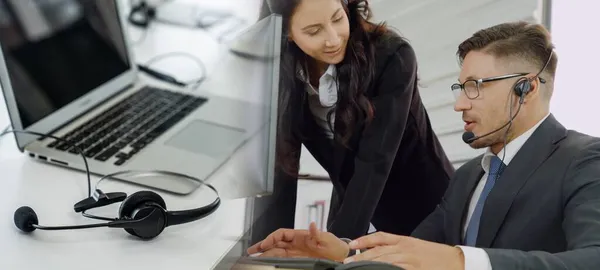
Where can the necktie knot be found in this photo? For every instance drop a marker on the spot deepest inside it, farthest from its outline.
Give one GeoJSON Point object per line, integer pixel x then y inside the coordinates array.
{"type": "Point", "coordinates": [496, 165]}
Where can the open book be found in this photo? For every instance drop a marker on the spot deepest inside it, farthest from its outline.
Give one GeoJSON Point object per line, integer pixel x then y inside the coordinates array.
{"type": "Point", "coordinates": [259, 263]}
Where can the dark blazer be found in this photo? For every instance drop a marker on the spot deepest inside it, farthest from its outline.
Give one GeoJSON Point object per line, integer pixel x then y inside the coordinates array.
{"type": "Point", "coordinates": [393, 172]}
{"type": "Point", "coordinates": [544, 210]}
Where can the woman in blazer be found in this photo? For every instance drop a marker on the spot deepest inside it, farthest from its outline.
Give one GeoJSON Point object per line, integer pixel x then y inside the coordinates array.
{"type": "Point", "coordinates": [349, 94]}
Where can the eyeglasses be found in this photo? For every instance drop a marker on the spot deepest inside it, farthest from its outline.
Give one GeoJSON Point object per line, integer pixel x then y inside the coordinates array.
{"type": "Point", "coordinates": [471, 87]}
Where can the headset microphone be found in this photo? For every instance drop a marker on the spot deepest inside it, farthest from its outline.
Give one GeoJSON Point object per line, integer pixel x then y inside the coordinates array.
{"type": "Point", "coordinates": [469, 137]}
{"type": "Point", "coordinates": [27, 221]}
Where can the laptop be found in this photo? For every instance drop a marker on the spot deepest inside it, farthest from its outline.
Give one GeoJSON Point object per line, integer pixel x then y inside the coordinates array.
{"type": "Point", "coordinates": [70, 72]}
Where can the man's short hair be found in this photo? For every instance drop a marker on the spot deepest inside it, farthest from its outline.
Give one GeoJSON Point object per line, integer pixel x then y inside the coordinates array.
{"type": "Point", "coordinates": [516, 40]}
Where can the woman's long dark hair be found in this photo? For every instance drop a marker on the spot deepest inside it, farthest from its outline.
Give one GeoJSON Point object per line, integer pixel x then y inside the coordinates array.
{"type": "Point", "coordinates": [355, 74]}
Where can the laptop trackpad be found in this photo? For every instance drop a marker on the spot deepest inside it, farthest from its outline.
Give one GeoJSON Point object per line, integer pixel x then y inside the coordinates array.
{"type": "Point", "coordinates": [207, 139]}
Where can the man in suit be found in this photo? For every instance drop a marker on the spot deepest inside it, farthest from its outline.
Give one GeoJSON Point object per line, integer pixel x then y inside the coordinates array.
{"type": "Point", "coordinates": [531, 201]}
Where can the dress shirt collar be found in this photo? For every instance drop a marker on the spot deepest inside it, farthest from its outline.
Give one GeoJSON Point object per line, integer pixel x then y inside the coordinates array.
{"type": "Point", "coordinates": [327, 91]}
{"type": "Point", "coordinates": [511, 148]}
{"type": "Point", "coordinates": [330, 72]}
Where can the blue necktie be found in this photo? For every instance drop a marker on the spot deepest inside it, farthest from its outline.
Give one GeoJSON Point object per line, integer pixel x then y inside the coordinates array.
{"type": "Point", "coordinates": [473, 228]}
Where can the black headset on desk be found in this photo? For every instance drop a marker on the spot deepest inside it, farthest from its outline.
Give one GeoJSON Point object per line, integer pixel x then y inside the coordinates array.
{"type": "Point", "coordinates": [142, 214]}
{"type": "Point", "coordinates": [141, 14]}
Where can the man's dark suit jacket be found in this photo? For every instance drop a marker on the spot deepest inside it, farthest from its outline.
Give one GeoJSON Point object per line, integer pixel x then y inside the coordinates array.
{"type": "Point", "coordinates": [544, 210]}
{"type": "Point", "coordinates": [392, 174]}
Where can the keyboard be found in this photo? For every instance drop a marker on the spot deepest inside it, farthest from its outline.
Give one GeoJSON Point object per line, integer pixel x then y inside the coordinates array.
{"type": "Point", "coordinates": [127, 127]}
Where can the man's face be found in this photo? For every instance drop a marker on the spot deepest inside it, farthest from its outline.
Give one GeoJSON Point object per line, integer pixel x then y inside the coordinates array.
{"type": "Point", "coordinates": [489, 110]}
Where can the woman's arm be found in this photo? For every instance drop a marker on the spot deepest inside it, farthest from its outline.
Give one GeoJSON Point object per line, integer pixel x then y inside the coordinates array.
{"type": "Point", "coordinates": [379, 143]}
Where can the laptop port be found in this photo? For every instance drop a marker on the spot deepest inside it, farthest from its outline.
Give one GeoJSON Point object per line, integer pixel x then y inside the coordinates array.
{"type": "Point", "coordinates": [59, 162]}
{"type": "Point", "coordinates": [42, 157]}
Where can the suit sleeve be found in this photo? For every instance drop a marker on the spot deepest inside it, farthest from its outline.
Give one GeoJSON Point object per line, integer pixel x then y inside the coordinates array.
{"type": "Point", "coordinates": [378, 145]}
{"type": "Point", "coordinates": [581, 223]}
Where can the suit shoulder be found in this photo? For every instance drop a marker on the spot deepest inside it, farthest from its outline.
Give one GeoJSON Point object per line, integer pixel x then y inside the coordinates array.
{"type": "Point", "coordinates": [581, 149]}
{"type": "Point", "coordinates": [576, 142]}
{"type": "Point", "coordinates": [580, 153]}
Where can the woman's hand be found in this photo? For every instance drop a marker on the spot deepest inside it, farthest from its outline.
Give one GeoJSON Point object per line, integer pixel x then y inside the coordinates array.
{"type": "Point", "coordinates": [302, 244]}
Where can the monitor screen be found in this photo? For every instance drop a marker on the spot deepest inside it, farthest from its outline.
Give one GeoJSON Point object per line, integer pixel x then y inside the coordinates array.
{"type": "Point", "coordinates": [58, 51]}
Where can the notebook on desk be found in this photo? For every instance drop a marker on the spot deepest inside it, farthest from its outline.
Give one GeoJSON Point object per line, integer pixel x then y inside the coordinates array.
{"type": "Point", "coordinates": [265, 263]}
{"type": "Point", "coordinates": [73, 75]}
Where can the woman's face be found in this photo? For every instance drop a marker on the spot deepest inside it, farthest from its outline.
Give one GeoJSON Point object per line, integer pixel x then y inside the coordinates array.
{"type": "Point", "coordinates": [321, 29]}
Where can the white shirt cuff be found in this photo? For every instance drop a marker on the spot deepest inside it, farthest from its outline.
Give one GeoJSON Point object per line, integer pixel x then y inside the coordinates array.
{"type": "Point", "coordinates": [476, 258]}
{"type": "Point", "coordinates": [371, 228]}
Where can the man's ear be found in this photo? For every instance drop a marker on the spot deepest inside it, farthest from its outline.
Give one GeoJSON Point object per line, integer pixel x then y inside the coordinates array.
{"type": "Point", "coordinates": [534, 90]}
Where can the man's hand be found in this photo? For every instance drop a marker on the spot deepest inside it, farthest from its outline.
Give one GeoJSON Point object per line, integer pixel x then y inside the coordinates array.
{"type": "Point", "coordinates": [302, 244]}
{"type": "Point", "coordinates": [407, 252]}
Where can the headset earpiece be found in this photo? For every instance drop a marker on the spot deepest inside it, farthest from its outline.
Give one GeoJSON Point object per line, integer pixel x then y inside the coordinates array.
{"type": "Point", "coordinates": [522, 87]}
{"type": "Point", "coordinates": [145, 205]}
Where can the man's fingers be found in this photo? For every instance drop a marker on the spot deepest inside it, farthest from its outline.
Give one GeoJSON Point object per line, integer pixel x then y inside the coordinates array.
{"type": "Point", "coordinates": [373, 253]}
{"type": "Point", "coordinates": [396, 259]}
{"type": "Point", "coordinates": [374, 240]}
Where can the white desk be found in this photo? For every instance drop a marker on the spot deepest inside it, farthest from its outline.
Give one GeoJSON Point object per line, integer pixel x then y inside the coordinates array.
{"type": "Point", "coordinates": [52, 191]}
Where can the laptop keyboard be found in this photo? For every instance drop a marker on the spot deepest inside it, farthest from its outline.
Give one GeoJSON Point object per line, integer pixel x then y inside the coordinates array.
{"type": "Point", "coordinates": [127, 127]}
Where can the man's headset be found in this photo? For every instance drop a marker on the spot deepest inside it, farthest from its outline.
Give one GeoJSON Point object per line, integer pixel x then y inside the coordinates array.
{"type": "Point", "coordinates": [521, 89]}
{"type": "Point", "coordinates": [142, 214]}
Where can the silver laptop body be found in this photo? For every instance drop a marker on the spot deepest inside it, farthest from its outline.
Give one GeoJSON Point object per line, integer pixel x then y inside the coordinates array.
{"type": "Point", "coordinates": [123, 123]}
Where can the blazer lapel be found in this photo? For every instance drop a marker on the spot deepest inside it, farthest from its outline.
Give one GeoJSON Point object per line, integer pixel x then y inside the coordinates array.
{"type": "Point", "coordinates": [462, 203]}
{"type": "Point", "coordinates": [541, 144]}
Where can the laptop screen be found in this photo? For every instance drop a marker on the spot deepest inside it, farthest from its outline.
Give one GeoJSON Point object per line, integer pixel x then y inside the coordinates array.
{"type": "Point", "coordinates": [57, 51]}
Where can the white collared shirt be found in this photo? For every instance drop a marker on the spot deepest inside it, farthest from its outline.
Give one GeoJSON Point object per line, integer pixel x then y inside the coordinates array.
{"type": "Point", "coordinates": [476, 258]}
{"type": "Point", "coordinates": [321, 101]}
